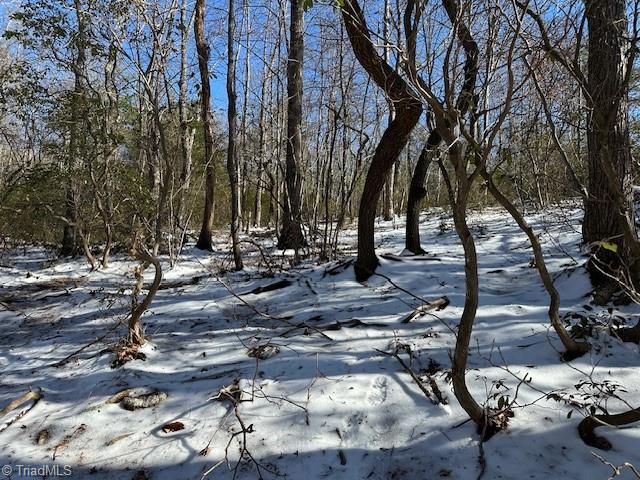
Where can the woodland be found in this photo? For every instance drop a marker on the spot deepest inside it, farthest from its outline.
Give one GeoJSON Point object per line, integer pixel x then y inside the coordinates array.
{"type": "Point", "coordinates": [355, 239]}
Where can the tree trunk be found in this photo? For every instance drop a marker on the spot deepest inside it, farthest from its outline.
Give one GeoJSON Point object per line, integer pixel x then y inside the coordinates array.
{"type": "Point", "coordinates": [417, 193]}
{"type": "Point", "coordinates": [204, 240]}
{"type": "Point", "coordinates": [387, 213]}
{"type": "Point", "coordinates": [610, 164]}
{"type": "Point", "coordinates": [291, 235]}
{"type": "Point", "coordinates": [185, 141]}
{"type": "Point", "coordinates": [232, 160]}
{"type": "Point", "coordinates": [78, 67]}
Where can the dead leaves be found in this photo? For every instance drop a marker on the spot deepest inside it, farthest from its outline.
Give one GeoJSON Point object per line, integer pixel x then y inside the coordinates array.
{"type": "Point", "coordinates": [68, 439]}
{"type": "Point", "coordinates": [263, 352]}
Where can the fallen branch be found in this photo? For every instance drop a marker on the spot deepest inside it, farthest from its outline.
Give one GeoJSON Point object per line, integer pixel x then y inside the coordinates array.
{"type": "Point", "coordinates": [30, 395]}
{"type": "Point", "coordinates": [269, 288]}
{"type": "Point", "coordinates": [439, 399]}
{"type": "Point", "coordinates": [438, 304]}
{"type": "Point", "coordinates": [193, 281]}
{"type": "Point", "coordinates": [617, 470]}
{"type": "Point", "coordinates": [34, 395]}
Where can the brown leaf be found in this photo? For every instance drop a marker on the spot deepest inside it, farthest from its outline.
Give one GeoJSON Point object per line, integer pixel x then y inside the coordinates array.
{"type": "Point", "coordinates": [173, 427]}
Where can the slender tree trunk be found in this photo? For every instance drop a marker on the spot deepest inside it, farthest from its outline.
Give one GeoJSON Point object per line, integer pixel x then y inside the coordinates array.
{"type": "Point", "coordinates": [186, 142]}
{"type": "Point", "coordinates": [204, 240]}
{"type": "Point", "coordinates": [291, 235]}
{"type": "Point", "coordinates": [245, 211]}
{"type": "Point", "coordinates": [232, 160]}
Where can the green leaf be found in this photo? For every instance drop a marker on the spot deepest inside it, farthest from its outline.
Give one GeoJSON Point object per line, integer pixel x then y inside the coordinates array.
{"type": "Point", "coordinates": [607, 245]}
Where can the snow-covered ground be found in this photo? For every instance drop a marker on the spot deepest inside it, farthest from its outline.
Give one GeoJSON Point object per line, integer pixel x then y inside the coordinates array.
{"type": "Point", "coordinates": [330, 403]}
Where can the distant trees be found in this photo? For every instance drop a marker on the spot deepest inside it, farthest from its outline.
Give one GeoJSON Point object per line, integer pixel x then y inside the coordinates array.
{"type": "Point", "coordinates": [310, 149]}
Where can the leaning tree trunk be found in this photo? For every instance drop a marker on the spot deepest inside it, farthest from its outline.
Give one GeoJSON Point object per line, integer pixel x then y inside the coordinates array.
{"type": "Point", "coordinates": [291, 235]}
{"type": "Point", "coordinates": [610, 164]}
{"type": "Point", "coordinates": [394, 139]}
{"type": "Point", "coordinates": [417, 193]}
{"type": "Point", "coordinates": [204, 240]}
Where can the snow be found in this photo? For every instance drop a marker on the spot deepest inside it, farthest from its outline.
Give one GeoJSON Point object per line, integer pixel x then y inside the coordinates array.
{"type": "Point", "coordinates": [330, 403]}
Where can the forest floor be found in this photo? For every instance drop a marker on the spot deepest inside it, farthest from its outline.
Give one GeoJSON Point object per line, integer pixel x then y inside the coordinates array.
{"type": "Point", "coordinates": [327, 399]}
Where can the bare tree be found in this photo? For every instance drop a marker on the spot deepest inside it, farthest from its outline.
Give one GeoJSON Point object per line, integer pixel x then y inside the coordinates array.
{"type": "Point", "coordinates": [232, 160]}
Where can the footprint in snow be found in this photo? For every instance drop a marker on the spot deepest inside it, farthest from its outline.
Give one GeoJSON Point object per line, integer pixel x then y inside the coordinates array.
{"type": "Point", "coordinates": [378, 391]}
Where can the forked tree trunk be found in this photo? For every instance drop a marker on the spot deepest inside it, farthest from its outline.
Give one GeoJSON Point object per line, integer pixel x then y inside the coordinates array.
{"type": "Point", "coordinates": [204, 240]}
{"type": "Point", "coordinates": [291, 235]}
{"type": "Point", "coordinates": [389, 149]}
{"type": "Point", "coordinates": [408, 111]}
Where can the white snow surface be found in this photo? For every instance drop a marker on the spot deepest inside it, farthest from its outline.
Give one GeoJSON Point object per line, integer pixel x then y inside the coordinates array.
{"type": "Point", "coordinates": [325, 406]}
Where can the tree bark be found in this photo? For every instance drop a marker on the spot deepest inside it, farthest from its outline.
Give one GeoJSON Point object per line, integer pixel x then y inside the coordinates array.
{"type": "Point", "coordinates": [78, 67]}
{"type": "Point", "coordinates": [610, 165]}
{"type": "Point", "coordinates": [204, 240]}
{"type": "Point", "coordinates": [291, 235]}
{"type": "Point", "coordinates": [232, 160]}
{"type": "Point", "coordinates": [417, 193]}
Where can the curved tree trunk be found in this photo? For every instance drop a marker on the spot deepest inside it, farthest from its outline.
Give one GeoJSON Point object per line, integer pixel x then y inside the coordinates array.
{"type": "Point", "coordinates": [391, 144]}
{"type": "Point", "coordinates": [136, 334]}
{"type": "Point", "coordinates": [573, 349]}
{"type": "Point", "coordinates": [417, 193]}
{"type": "Point", "coordinates": [204, 240]}
{"type": "Point", "coordinates": [408, 110]}
{"type": "Point", "coordinates": [291, 235]}
{"type": "Point", "coordinates": [459, 200]}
